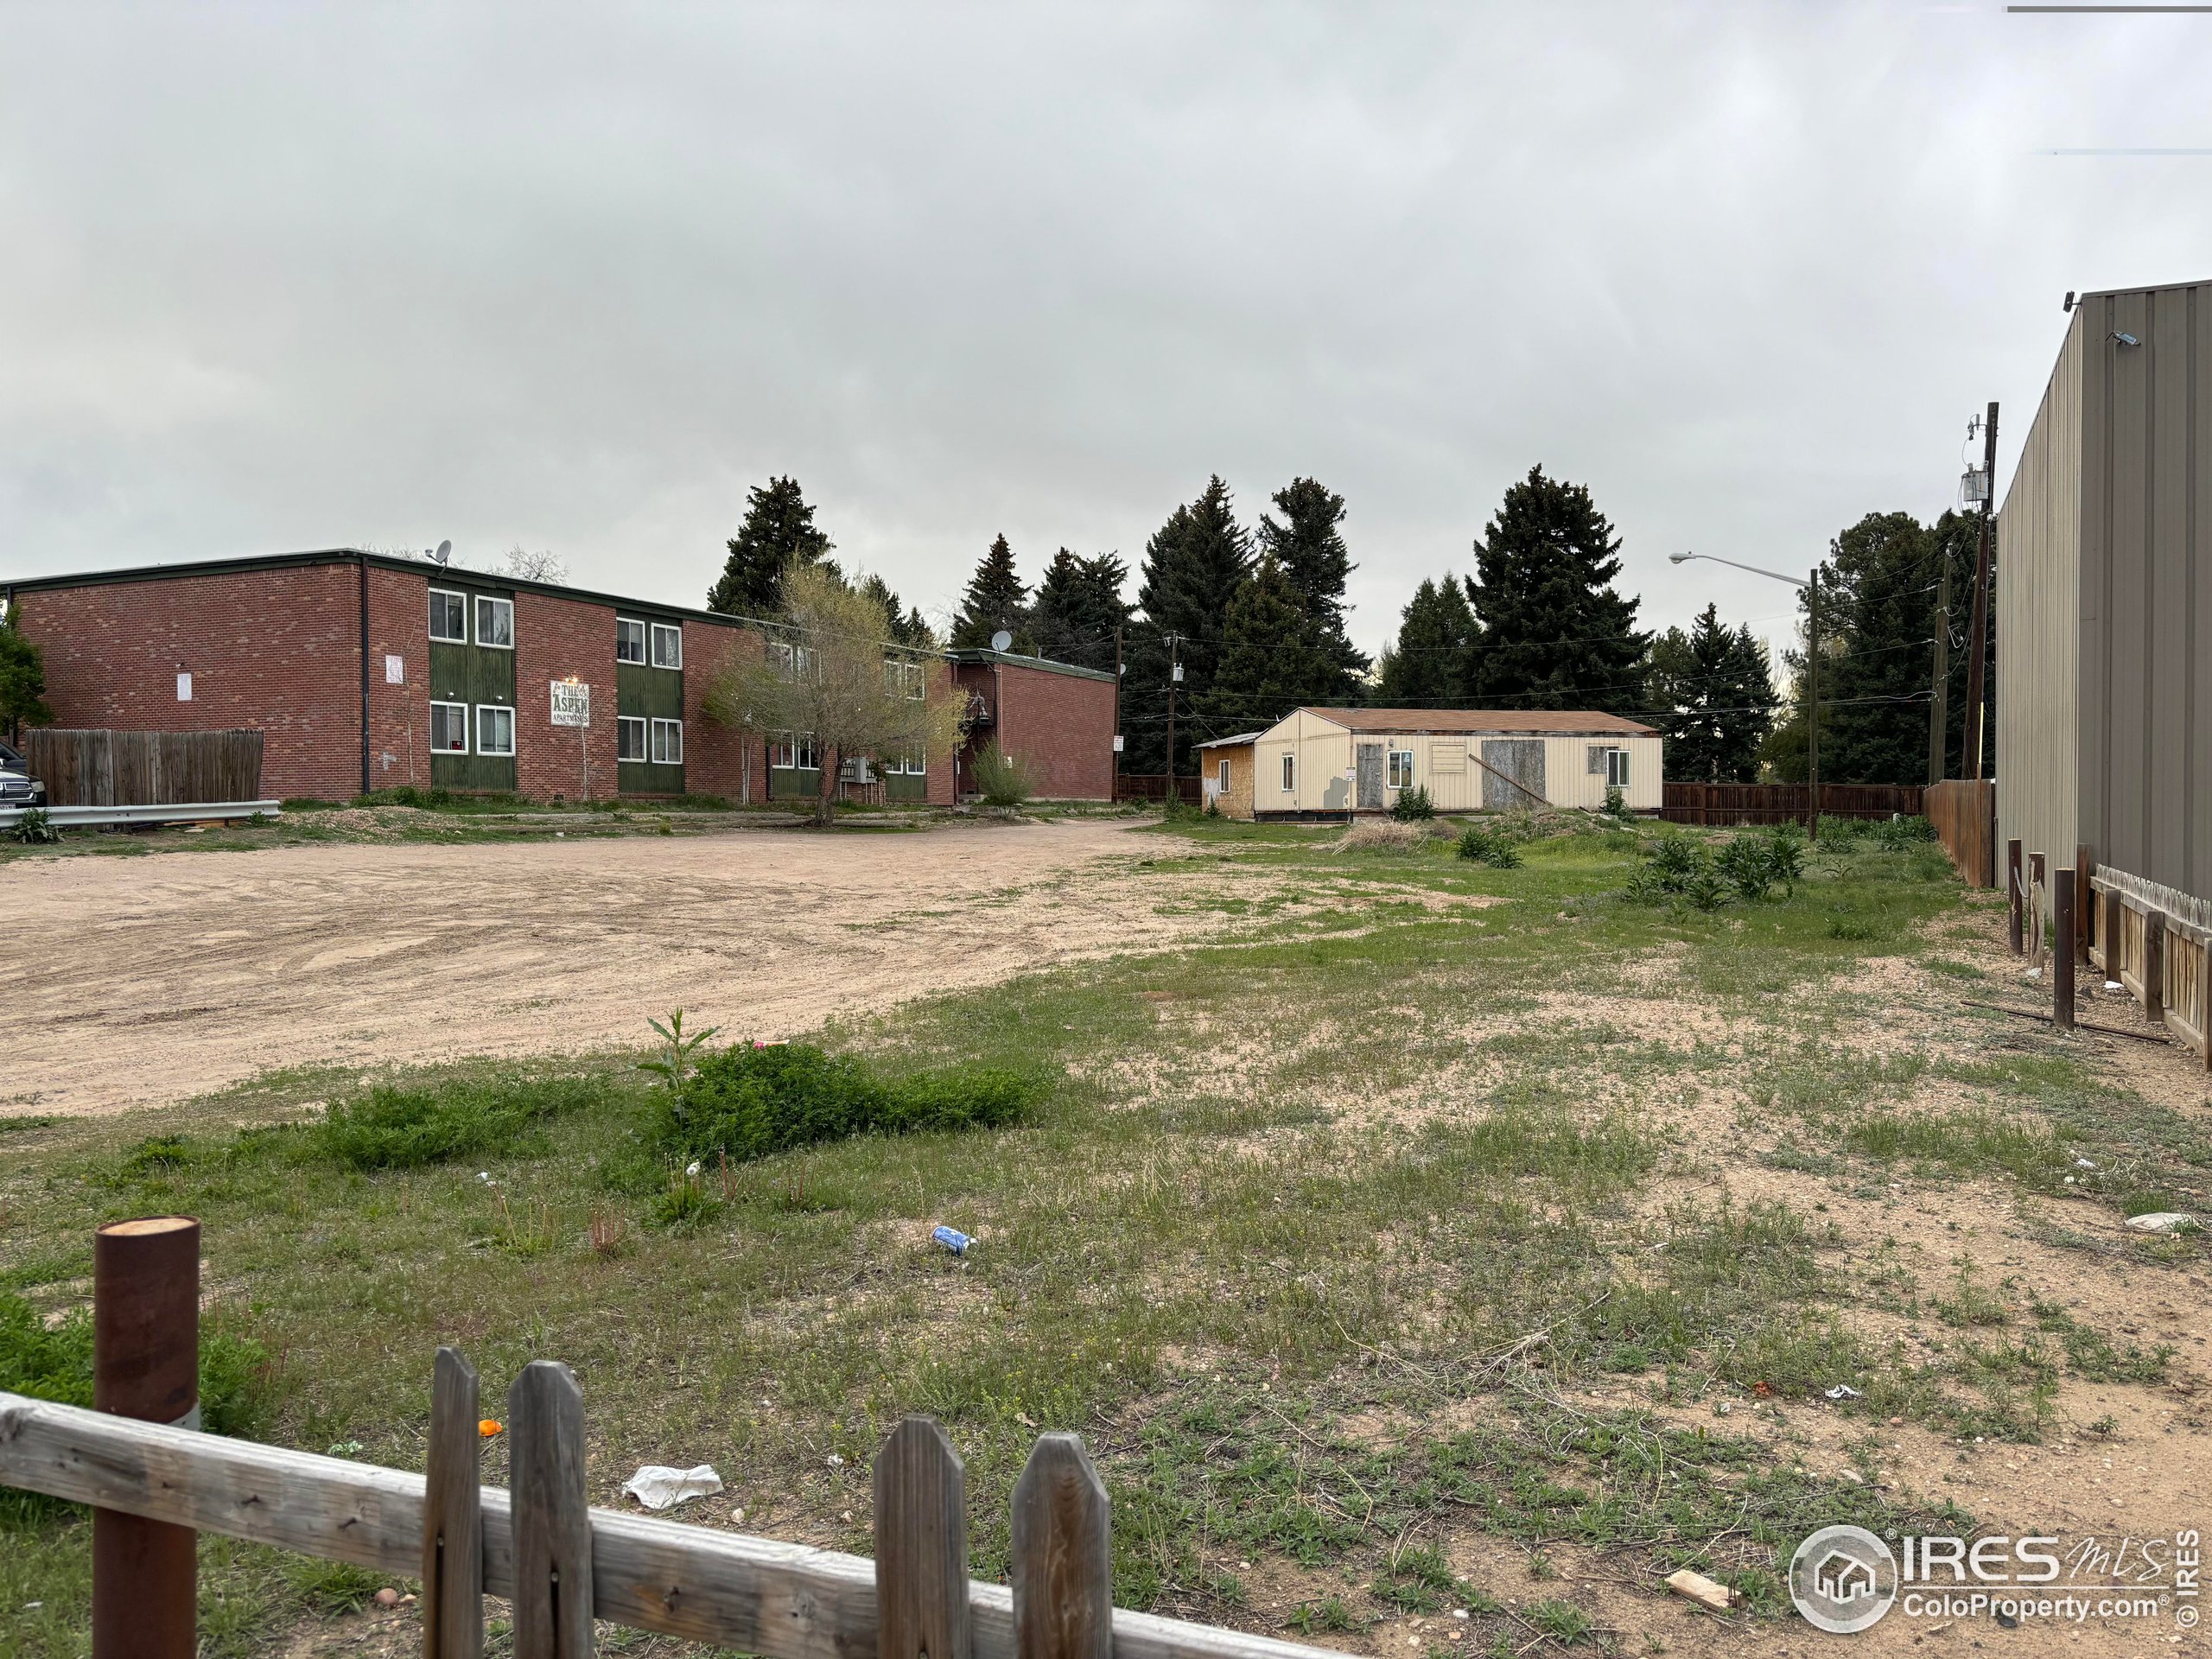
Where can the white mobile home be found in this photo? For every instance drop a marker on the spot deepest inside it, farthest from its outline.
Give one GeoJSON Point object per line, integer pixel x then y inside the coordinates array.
{"type": "Point", "coordinates": [1321, 762]}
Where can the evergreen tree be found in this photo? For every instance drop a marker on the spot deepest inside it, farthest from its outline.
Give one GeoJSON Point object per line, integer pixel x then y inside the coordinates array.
{"type": "Point", "coordinates": [1553, 632]}
{"type": "Point", "coordinates": [779, 530]}
{"type": "Point", "coordinates": [1311, 551]}
{"type": "Point", "coordinates": [1712, 691]}
{"type": "Point", "coordinates": [1079, 607]}
{"type": "Point", "coordinates": [1426, 667]}
{"type": "Point", "coordinates": [908, 627]}
{"type": "Point", "coordinates": [22, 679]}
{"type": "Point", "coordinates": [1272, 656]}
{"type": "Point", "coordinates": [1193, 566]}
{"type": "Point", "coordinates": [1878, 606]}
{"type": "Point", "coordinates": [996, 598]}
{"type": "Point", "coordinates": [1957, 535]}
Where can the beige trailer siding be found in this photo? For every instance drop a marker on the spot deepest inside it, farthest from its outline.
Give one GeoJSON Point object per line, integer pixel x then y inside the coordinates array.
{"type": "Point", "coordinates": [2104, 594]}
{"type": "Point", "coordinates": [1446, 764]}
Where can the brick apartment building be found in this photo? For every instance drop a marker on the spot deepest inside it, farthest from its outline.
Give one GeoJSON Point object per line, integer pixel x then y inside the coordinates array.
{"type": "Point", "coordinates": [365, 671]}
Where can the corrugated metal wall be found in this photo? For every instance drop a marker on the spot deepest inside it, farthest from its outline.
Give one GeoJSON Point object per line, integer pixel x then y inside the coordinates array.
{"type": "Point", "coordinates": [2104, 596]}
{"type": "Point", "coordinates": [2146, 585]}
{"type": "Point", "coordinates": [2038, 563]}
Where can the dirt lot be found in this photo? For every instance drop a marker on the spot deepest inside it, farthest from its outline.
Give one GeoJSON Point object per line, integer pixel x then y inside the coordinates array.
{"type": "Point", "coordinates": [167, 976]}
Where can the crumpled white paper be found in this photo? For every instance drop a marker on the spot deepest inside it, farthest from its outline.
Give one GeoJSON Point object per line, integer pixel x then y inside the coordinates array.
{"type": "Point", "coordinates": [659, 1487]}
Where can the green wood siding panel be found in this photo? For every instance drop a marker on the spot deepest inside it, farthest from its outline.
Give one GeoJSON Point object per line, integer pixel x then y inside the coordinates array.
{"type": "Point", "coordinates": [644, 692]}
{"type": "Point", "coordinates": [472, 674]}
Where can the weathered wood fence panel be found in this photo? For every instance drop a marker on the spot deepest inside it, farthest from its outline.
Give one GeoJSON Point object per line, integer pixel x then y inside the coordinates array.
{"type": "Point", "coordinates": [1963, 814]}
{"type": "Point", "coordinates": [1739, 804]}
{"type": "Point", "coordinates": [107, 769]}
{"type": "Point", "coordinates": [758, 1595]}
{"type": "Point", "coordinates": [2156, 942]}
{"type": "Point", "coordinates": [1154, 787]}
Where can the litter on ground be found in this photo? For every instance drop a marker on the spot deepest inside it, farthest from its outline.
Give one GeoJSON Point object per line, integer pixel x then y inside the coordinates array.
{"type": "Point", "coordinates": [1845, 1391]}
{"type": "Point", "coordinates": [953, 1239]}
{"type": "Point", "coordinates": [2162, 1221]}
{"type": "Point", "coordinates": [659, 1487]}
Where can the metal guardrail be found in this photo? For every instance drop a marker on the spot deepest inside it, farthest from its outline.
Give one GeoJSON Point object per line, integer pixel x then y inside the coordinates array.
{"type": "Point", "coordinates": [92, 817]}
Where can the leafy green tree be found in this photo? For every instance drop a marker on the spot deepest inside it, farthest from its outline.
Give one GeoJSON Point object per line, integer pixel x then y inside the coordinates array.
{"type": "Point", "coordinates": [1272, 656]}
{"type": "Point", "coordinates": [1079, 608]}
{"type": "Point", "coordinates": [778, 532]}
{"type": "Point", "coordinates": [1427, 666]}
{"type": "Point", "coordinates": [1713, 697]}
{"type": "Point", "coordinates": [1193, 566]}
{"type": "Point", "coordinates": [22, 679]}
{"type": "Point", "coordinates": [1958, 536]}
{"type": "Point", "coordinates": [1311, 549]}
{"type": "Point", "coordinates": [996, 598]}
{"type": "Point", "coordinates": [1554, 634]}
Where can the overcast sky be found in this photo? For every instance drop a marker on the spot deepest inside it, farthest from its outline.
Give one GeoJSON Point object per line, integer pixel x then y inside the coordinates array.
{"type": "Point", "coordinates": [289, 276]}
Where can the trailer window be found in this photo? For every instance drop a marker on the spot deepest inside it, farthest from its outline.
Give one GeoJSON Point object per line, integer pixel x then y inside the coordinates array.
{"type": "Point", "coordinates": [1616, 768]}
{"type": "Point", "coordinates": [1289, 774]}
{"type": "Point", "coordinates": [1402, 768]}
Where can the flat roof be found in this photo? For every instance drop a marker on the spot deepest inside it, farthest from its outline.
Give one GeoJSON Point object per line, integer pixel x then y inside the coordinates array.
{"type": "Point", "coordinates": [1229, 742]}
{"type": "Point", "coordinates": [976, 656]}
{"type": "Point", "coordinates": [1422, 723]}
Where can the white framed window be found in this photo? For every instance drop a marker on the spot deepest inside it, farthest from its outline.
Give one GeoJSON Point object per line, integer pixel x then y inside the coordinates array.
{"type": "Point", "coordinates": [782, 754]}
{"type": "Point", "coordinates": [668, 742]}
{"type": "Point", "coordinates": [184, 686]}
{"type": "Point", "coordinates": [1402, 768]}
{"type": "Point", "coordinates": [495, 729]}
{"type": "Point", "coordinates": [629, 737]}
{"type": "Point", "coordinates": [668, 645]}
{"type": "Point", "coordinates": [449, 616]}
{"type": "Point", "coordinates": [1289, 774]}
{"type": "Point", "coordinates": [449, 728]}
{"type": "Point", "coordinates": [918, 764]}
{"type": "Point", "coordinates": [901, 676]}
{"type": "Point", "coordinates": [808, 757]}
{"type": "Point", "coordinates": [495, 622]}
{"type": "Point", "coordinates": [1221, 776]}
{"type": "Point", "coordinates": [1616, 768]}
{"type": "Point", "coordinates": [780, 653]}
{"type": "Point", "coordinates": [629, 640]}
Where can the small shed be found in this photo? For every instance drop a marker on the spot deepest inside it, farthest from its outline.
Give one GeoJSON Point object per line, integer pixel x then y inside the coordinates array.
{"type": "Point", "coordinates": [1225, 775]}
{"type": "Point", "coordinates": [1326, 762]}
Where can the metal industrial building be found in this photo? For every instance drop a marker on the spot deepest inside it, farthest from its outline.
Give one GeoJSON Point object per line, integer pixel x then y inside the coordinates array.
{"type": "Point", "coordinates": [2104, 597]}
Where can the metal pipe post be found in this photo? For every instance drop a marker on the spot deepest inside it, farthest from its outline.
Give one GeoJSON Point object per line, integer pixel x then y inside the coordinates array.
{"type": "Point", "coordinates": [145, 1365]}
{"type": "Point", "coordinates": [1977, 635]}
{"type": "Point", "coordinates": [2062, 958]}
{"type": "Point", "coordinates": [2012, 893]}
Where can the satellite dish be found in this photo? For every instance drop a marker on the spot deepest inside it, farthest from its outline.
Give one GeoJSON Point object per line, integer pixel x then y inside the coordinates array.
{"type": "Point", "coordinates": [1001, 640]}
{"type": "Point", "coordinates": [444, 553]}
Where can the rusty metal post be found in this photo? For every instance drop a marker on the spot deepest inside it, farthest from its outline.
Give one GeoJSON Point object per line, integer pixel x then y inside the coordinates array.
{"type": "Point", "coordinates": [2062, 956]}
{"type": "Point", "coordinates": [2013, 891]}
{"type": "Point", "coordinates": [145, 1365]}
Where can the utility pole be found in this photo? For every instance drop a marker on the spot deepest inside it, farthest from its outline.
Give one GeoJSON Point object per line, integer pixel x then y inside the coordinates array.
{"type": "Point", "coordinates": [1812, 695]}
{"type": "Point", "coordinates": [1175, 675]}
{"type": "Point", "coordinates": [1977, 635]}
{"type": "Point", "coordinates": [1117, 714]}
{"type": "Point", "coordinates": [1939, 715]}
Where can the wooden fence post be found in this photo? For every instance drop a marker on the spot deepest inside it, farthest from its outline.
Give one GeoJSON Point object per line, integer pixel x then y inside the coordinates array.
{"type": "Point", "coordinates": [552, 1519]}
{"type": "Point", "coordinates": [2012, 891]}
{"type": "Point", "coordinates": [146, 1365]}
{"type": "Point", "coordinates": [1062, 1555]}
{"type": "Point", "coordinates": [2062, 956]}
{"type": "Point", "coordinates": [2154, 966]}
{"type": "Point", "coordinates": [921, 1545]}
{"type": "Point", "coordinates": [453, 1517]}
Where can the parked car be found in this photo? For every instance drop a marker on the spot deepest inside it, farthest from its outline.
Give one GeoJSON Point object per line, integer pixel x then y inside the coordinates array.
{"type": "Point", "coordinates": [17, 786]}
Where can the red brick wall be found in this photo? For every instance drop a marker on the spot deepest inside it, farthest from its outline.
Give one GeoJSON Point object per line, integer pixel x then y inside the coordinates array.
{"type": "Point", "coordinates": [554, 639]}
{"type": "Point", "coordinates": [717, 756]}
{"type": "Point", "coordinates": [1059, 726]}
{"type": "Point", "coordinates": [279, 649]}
{"type": "Point", "coordinates": [399, 715]}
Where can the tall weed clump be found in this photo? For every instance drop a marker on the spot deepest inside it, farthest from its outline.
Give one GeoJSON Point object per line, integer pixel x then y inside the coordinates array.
{"type": "Point", "coordinates": [749, 1101]}
{"type": "Point", "coordinates": [402, 1128]}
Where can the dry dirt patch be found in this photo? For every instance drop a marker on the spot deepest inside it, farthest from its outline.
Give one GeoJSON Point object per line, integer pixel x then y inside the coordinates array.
{"type": "Point", "coordinates": [162, 977]}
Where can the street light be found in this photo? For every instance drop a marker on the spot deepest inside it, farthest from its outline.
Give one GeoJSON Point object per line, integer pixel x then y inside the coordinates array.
{"type": "Point", "coordinates": [1812, 588]}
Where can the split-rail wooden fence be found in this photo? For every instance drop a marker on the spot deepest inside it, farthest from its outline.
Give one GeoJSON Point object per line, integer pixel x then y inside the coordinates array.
{"type": "Point", "coordinates": [562, 1563]}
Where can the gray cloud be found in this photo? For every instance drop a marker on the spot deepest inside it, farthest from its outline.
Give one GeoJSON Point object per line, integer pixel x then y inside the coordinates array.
{"type": "Point", "coordinates": [282, 277]}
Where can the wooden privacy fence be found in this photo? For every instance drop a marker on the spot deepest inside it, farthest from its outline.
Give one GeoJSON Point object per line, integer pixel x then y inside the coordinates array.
{"type": "Point", "coordinates": [1963, 814]}
{"type": "Point", "coordinates": [105, 768]}
{"type": "Point", "coordinates": [1156, 787]}
{"type": "Point", "coordinates": [1727, 804]}
{"type": "Point", "coordinates": [2157, 942]}
{"type": "Point", "coordinates": [563, 1564]}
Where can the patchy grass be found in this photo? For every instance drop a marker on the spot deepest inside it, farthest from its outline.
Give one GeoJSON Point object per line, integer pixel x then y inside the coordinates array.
{"type": "Point", "coordinates": [1322, 1239]}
